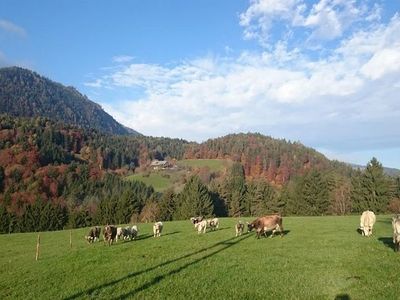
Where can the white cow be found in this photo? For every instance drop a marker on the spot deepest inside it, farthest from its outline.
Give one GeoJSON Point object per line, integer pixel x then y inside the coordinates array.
{"type": "Point", "coordinates": [396, 232]}
{"type": "Point", "coordinates": [239, 227]}
{"type": "Point", "coordinates": [119, 233]}
{"type": "Point", "coordinates": [367, 222]}
{"type": "Point", "coordinates": [213, 223]}
{"type": "Point", "coordinates": [157, 229]}
{"type": "Point", "coordinates": [134, 231]}
{"type": "Point", "coordinates": [201, 226]}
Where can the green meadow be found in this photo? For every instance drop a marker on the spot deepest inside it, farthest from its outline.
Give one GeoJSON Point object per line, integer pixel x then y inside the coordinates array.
{"type": "Point", "coordinates": [154, 179]}
{"type": "Point", "coordinates": [214, 165]}
{"type": "Point", "coordinates": [318, 258]}
{"type": "Point", "coordinates": [161, 180]}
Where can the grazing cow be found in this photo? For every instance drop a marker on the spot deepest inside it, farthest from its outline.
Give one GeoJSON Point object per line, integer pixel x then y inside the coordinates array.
{"type": "Point", "coordinates": [367, 222]}
{"type": "Point", "coordinates": [120, 233]}
{"type": "Point", "coordinates": [396, 232]}
{"type": "Point", "coordinates": [239, 227]}
{"type": "Point", "coordinates": [195, 220]}
{"type": "Point", "coordinates": [127, 233]}
{"type": "Point", "coordinates": [213, 223]}
{"type": "Point", "coordinates": [94, 234]}
{"type": "Point", "coordinates": [109, 234]}
{"type": "Point", "coordinates": [267, 223]}
{"type": "Point", "coordinates": [157, 229]}
{"type": "Point", "coordinates": [201, 226]}
{"type": "Point", "coordinates": [134, 231]}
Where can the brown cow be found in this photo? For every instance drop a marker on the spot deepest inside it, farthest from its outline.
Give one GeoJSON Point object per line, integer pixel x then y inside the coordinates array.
{"type": "Point", "coordinates": [109, 234]}
{"type": "Point", "coordinates": [94, 234]}
{"type": "Point", "coordinates": [265, 224]}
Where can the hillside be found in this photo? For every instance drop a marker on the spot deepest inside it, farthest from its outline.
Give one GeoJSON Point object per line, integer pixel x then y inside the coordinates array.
{"type": "Point", "coordinates": [276, 160]}
{"type": "Point", "coordinates": [24, 93]}
{"type": "Point", "coordinates": [54, 175]}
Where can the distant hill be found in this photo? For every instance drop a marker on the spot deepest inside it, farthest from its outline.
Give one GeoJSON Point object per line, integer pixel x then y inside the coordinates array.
{"type": "Point", "coordinates": [276, 160]}
{"type": "Point", "coordinates": [24, 93]}
{"type": "Point", "coordinates": [388, 171]}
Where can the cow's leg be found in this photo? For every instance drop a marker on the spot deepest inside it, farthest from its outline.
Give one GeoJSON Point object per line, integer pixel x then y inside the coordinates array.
{"type": "Point", "coordinates": [281, 230]}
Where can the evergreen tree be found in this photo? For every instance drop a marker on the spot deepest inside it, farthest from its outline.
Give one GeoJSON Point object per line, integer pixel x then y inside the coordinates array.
{"type": "Point", "coordinates": [167, 205]}
{"type": "Point", "coordinates": [375, 187]}
{"type": "Point", "coordinates": [4, 220]}
{"type": "Point", "coordinates": [315, 194]}
{"type": "Point", "coordinates": [2, 179]}
{"type": "Point", "coordinates": [194, 200]}
{"type": "Point", "coordinates": [234, 191]}
{"type": "Point", "coordinates": [261, 198]}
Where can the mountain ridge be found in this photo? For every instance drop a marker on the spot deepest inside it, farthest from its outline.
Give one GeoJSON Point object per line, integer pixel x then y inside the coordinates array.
{"type": "Point", "coordinates": [25, 93]}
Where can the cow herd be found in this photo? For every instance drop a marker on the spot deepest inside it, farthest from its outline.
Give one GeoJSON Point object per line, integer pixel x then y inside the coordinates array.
{"type": "Point", "coordinates": [261, 225]}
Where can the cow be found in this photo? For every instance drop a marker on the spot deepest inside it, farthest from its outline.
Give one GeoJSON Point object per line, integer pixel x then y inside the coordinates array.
{"type": "Point", "coordinates": [134, 232]}
{"type": "Point", "coordinates": [195, 220]}
{"type": "Point", "coordinates": [157, 229]}
{"type": "Point", "coordinates": [367, 222]}
{"type": "Point", "coordinates": [396, 232]}
{"type": "Point", "coordinates": [239, 227]}
{"type": "Point", "coordinates": [93, 235]}
{"type": "Point", "coordinates": [201, 226]}
{"type": "Point", "coordinates": [109, 234]}
{"type": "Point", "coordinates": [213, 223]}
{"type": "Point", "coordinates": [120, 233]}
{"type": "Point", "coordinates": [127, 233]}
{"type": "Point", "coordinates": [267, 223]}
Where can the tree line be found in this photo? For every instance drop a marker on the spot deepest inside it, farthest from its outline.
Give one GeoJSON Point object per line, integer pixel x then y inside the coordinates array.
{"type": "Point", "coordinates": [112, 200]}
{"type": "Point", "coordinates": [54, 176]}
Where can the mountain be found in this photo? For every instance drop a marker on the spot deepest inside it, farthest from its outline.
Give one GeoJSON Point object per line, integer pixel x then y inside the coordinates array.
{"type": "Point", "coordinates": [24, 93]}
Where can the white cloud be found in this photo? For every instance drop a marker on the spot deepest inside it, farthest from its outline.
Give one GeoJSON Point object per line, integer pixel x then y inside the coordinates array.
{"type": "Point", "coordinates": [96, 84]}
{"type": "Point", "coordinates": [383, 62]}
{"type": "Point", "coordinates": [324, 20]}
{"type": "Point", "coordinates": [345, 100]}
{"type": "Point", "coordinates": [12, 28]}
{"type": "Point", "coordinates": [122, 58]}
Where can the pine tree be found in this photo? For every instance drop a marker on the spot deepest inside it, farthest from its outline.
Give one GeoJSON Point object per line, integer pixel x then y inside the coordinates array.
{"type": "Point", "coordinates": [194, 200]}
{"type": "Point", "coordinates": [315, 194]}
{"type": "Point", "coordinates": [167, 205]}
{"type": "Point", "coordinates": [4, 220]}
{"type": "Point", "coordinates": [375, 187]}
{"type": "Point", "coordinates": [234, 191]}
{"type": "Point", "coordinates": [2, 179]}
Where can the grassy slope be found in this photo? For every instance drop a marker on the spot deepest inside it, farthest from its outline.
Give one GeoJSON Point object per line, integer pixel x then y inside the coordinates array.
{"type": "Point", "coordinates": [158, 182]}
{"type": "Point", "coordinates": [161, 183]}
{"type": "Point", "coordinates": [319, 258]}
{"type": "Point", "coordinates": [214, 164]}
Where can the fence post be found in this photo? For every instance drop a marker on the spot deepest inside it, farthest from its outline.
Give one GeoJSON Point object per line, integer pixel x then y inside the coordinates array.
{"type": "Point", "coordinates": [37, 246]}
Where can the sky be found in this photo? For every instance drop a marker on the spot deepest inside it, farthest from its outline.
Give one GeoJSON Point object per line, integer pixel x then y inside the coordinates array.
{"type": "Point", "coordinates": [325, 73]}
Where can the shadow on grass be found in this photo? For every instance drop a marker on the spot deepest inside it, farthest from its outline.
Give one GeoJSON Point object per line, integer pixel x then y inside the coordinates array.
{"type": "Point", "coordinates": [386, 220]}
{"type": "Point", "coordinates": [268, 234]}
{"type": "Point", "coordinates": [142, 237]}
{"type": "Point", "coordinates": [224, 245]}
{"type": "Point", "coordinates": [388, 242]}
{"type": "Point", "coordinates": [342, 297]}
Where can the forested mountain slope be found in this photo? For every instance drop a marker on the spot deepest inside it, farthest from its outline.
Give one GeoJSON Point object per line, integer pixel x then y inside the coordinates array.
{"type": "Point", "coordinates": [276, 160]}
{"type": "Point", "coordinates": [24, 93]}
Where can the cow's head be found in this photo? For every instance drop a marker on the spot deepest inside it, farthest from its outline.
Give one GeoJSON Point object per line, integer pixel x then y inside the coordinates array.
{"type": "Point", "coordinates": [250, 226]}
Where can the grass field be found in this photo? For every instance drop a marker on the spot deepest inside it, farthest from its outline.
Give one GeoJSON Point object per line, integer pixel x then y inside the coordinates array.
{"type": "Point", "coordinates": [213, 164]}
{"type": "Point", "coordinates": [155, 179]}
{"type": "Point", "coordinates": [318, 258]}
{"type": "Point", "coordinates": [161, 180]}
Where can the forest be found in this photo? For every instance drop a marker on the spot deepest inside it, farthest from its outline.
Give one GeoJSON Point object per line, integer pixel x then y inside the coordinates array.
{"type": "Point", "coordinates": [55, 176]}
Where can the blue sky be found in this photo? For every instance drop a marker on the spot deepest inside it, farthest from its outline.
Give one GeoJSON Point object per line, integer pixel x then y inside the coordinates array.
{"type": "Point", "coordinates": [324, 72]}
